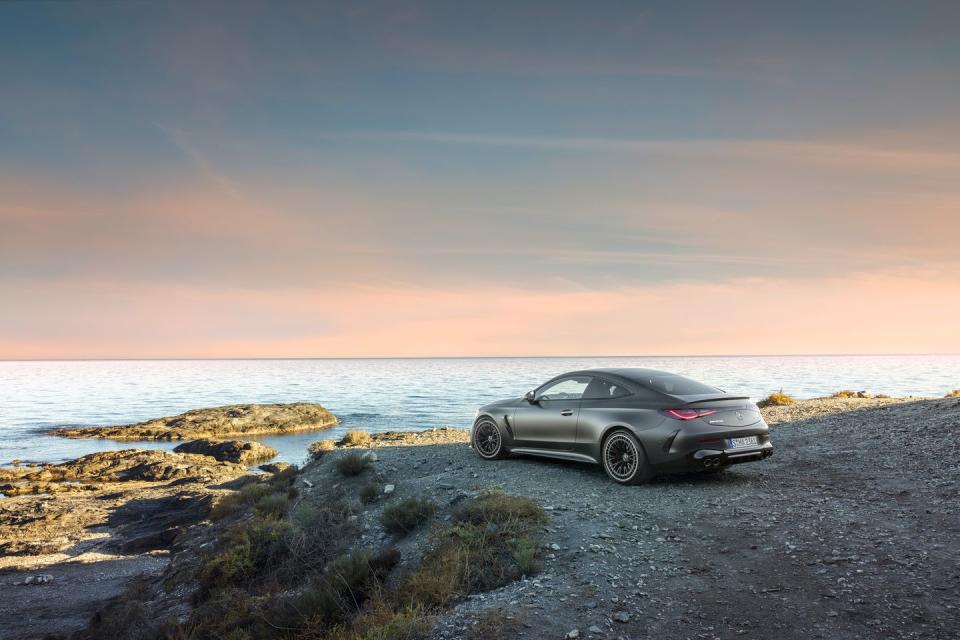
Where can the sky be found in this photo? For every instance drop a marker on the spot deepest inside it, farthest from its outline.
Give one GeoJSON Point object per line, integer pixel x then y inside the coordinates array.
{"type": "Point", "coordinates": [241, 179]}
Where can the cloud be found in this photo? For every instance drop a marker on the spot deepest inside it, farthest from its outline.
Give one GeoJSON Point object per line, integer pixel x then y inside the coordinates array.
{"type": "Point", "coordinates": [870, 312]}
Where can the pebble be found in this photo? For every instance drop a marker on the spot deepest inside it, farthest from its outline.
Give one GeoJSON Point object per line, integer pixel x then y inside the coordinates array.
{"type": "Point", "coordinates": [388, 488]}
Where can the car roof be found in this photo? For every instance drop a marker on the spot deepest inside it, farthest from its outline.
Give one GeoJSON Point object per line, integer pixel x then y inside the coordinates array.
{"type": "Point", "coordinates": [634, 374]}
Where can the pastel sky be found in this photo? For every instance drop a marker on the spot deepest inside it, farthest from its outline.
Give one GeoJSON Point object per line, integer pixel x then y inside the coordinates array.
{"type": "Point", "coordinates": [233, 179]}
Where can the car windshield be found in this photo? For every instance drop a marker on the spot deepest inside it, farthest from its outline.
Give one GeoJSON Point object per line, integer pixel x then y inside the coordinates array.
{"type": "Point", "coordinates": [679, 386]}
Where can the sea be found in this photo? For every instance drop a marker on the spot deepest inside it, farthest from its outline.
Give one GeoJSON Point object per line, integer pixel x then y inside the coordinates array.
{"type": "Point", "coordinates": [384, 394]}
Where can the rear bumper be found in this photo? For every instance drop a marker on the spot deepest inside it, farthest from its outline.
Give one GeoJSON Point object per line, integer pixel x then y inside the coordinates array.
{"type": "Point", "coordinates": [713, 458]}
{"type": "Point", "coordinates": [707, 458]}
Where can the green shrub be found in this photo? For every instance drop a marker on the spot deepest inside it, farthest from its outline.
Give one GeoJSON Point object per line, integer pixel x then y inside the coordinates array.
{"type": "Point", "coordinates": [405, 516]}
{"type": "Point", "coordinates": [778, 399]}
{"type": "Point", "coordinates": [273, 506]}
{"type": "Point", "coordinates": [354, 463]}
{"type": "Point", "coordinates": [494, 541]}
{"type": "Point", "coordinates": [369, 493]}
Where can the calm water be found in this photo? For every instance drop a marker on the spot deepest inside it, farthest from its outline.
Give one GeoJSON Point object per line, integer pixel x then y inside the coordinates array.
{"type": "Point", "coordinates": [381, 395]}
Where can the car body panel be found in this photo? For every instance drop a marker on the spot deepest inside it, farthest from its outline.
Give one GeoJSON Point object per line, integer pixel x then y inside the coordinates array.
{"type": "Point", "coordinates": [575, 429]}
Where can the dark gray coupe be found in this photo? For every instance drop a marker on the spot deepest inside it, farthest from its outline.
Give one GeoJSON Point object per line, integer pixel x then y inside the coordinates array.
{"type": "Point", "coordinates": [635, 422]}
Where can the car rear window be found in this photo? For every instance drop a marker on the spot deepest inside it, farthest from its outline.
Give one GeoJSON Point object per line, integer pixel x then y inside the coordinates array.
{"type": "Point", "coordinates": [679, 386]}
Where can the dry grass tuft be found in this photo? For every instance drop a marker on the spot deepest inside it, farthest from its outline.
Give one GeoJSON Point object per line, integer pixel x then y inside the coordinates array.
{"type": "Point", "coordinates": [778, 399]}
{"type": "Point", "coordinates": [953, 394]}
{"type": "Point", "coordinates": [845, 393]}
{"type": "Point", "coordinates": [356, 438]}
{"type": "Point", "coordinates": [320, 447]}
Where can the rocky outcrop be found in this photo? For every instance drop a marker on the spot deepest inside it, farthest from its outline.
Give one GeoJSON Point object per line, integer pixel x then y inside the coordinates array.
{"type": "Point", "coordinates": [217, 422]}
{"type": "Point", "coordinates": [54, 507]}
{"type": "Point", "coordinates": [246, 453]}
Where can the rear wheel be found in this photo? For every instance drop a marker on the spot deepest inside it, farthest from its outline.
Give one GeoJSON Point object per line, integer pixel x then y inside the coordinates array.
{"type": "Point", "coordinates": [624, 460]}
{"type": "Point", "coordinates": [487, 440]}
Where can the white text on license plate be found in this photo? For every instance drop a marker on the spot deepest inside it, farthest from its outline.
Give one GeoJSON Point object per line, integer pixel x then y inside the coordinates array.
{"type": "Point", "coordinates": [738, 443]}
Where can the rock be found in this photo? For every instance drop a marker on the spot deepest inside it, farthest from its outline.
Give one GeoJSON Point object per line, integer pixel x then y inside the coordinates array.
{"type": "Point", "coordinates": [371, 456]}
{"type": "Point", "coordinates": [594, 629]}
{"type": "Point", "coordinates": [555, 547]}
{"type": "Point", "coordinates": [573, 633]}
{"type": "Point", "coordinates": [246, 453]}
{"type": "Point", "coordinates": [217, 422]}
{"type": "Point", "coordinates": [276, 467]}
{"type": "Point", "coordinates": [42, 578]}
{"type": "Point", "coordinates": [388, 488]}
{"type": "Point", "coordinates": [621, 616]}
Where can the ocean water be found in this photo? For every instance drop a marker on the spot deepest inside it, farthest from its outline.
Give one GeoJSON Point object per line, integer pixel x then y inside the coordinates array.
{"type": "Point", "coordinates": [382, 394]}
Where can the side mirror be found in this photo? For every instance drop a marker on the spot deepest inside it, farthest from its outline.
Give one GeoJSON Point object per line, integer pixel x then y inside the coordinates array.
{"type": "Point", "coordinates": [531, 397]}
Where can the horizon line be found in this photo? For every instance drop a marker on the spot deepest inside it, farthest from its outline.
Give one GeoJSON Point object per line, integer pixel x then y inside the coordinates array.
{"type": "Point", "coordinates": [472, 357]}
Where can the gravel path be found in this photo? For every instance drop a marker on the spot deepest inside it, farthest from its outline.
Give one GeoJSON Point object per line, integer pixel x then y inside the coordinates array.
{"type": "Point", "coordinates": [850, 530]}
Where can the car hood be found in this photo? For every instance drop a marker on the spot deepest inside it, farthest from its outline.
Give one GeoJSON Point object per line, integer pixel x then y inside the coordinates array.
{"type": "Point", "coordinates": [502, 404]}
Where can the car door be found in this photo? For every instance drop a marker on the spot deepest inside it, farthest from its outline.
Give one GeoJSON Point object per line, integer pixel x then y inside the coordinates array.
{"type": "Point", "coordinates": [550, 420]}
{"type": "Point", "coordinates": [602, 403]}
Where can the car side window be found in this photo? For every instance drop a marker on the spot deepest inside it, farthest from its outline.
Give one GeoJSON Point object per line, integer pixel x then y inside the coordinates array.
{"type": "Point", "coordinates": [603, 389]}
{"type": "Point", "coordinates": [565, 389]}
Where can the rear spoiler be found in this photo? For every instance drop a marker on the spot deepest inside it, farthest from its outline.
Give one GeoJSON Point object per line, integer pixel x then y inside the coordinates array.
{"type": "Point", "coordinates": [713, 398]}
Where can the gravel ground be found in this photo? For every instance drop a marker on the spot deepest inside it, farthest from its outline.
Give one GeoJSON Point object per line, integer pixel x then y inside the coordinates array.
{"type": "Point", "coordinates": [850, 530]}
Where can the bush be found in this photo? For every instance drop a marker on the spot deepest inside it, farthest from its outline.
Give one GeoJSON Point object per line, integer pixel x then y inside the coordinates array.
{"type": "Point", "coordinates": [778, 399]}
{"type": "Point", "coordinates": [251, 549]}
{"type": "Point", "coordinates": [845, 393]}
{"type": "Point", "coordinates": [356, 438]}
{"type": "Point", "coordinates": [494, 541]}
{"type": "Point", "coordinates": [405, 516]}
{"type": "Point", "coordinates": [273, 506]}
{"type": "Point", "coordinates": [318, 448]}
{"type": "Point", "coordinates": [370, 493]}
{"type": "Point", "coordinates": [953, 394]}
{"type": "Point", "coordinates": [354, 463]}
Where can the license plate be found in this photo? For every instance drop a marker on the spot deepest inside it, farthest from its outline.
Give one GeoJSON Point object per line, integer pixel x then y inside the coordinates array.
{"type": "Point", "coordinates": [739, 443]}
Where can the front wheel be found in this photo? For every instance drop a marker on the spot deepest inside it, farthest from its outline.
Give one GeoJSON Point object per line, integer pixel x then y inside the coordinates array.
{"type": "Point", "coordinates": [487, 440]}
{"type": "Point", "coordinates": [624, 459]}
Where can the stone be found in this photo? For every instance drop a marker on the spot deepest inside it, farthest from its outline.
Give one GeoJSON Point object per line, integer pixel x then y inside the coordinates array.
{"type": "Point", "coordinates": [621, 616]}
{"type": "Point", "coordinates": [594, 629]}
{"type": "Point", "coordinates": [388, 488]}
{"type": "Point", "coordinates": [229, 450]}
{"type": "Point", "coordinates": [572, 634]}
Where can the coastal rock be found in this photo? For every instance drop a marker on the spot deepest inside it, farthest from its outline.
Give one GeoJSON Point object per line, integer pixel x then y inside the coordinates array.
{"type": "Point", "coordinates": [276, 467]}
{"type": "Point", "coordinates": [124, 466]}
{"type": "Point", "coordinates": [246, 453]}
{"type": "Point", "coordinates": [217, 422]}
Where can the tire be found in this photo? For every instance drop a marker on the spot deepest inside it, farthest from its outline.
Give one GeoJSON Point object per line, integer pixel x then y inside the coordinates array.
{"type": "Point", "coordinates": [623, 458]}
{"type": "Point", "coordinates": [487, 440]}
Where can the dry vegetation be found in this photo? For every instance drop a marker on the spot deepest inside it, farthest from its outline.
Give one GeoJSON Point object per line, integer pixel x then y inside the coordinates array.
{"type": "Point", "coordinates": [356, 438]}
{"type": "Point", "coordinates": [953, 394]}
{"type": "Point", "coordinates": [778, 399]}
{"type": "Point", "coordinates": [286, 568]}
{"type": "Point", "coordinates": [844, 393]}
{"type": "Point", "coordinates": [320, 447]}
{"type": "Point", "coordinates": [354, 463]}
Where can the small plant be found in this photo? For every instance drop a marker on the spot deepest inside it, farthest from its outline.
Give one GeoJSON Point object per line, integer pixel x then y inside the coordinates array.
{"type": "Point", "coordinates": [369, 493]}
{"type": "Point", "coordinates": [354, 463]}
{"type": "Point", "coordinates": [320, 447]}
{"type": "Point", "coordinates": [405, 516]}
{"type": "Point", "coordinates": [273, 506]}
{"type": "Point", "coordinates": [356, 438]}
{"type": "Point", "coordinates": [778, 399]}
{"type": "Point", "coordinates": [845, 393]}
{"type": "Point", "coordinates": [953, 394]}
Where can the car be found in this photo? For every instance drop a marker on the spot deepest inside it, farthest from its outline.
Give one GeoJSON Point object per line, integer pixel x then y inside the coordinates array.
{"type": "Point", "coordinates": [636, 423]}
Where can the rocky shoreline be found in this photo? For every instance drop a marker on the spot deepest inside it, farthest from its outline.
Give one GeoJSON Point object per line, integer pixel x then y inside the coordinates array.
{"type": "Point", "coordinates": [217, 423]}
{"type": "Point", "coordinates": [848, 531]}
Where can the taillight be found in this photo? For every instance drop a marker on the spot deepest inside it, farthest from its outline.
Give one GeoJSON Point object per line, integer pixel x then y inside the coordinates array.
{"type": "Point", "coordinates": [687, 414]}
